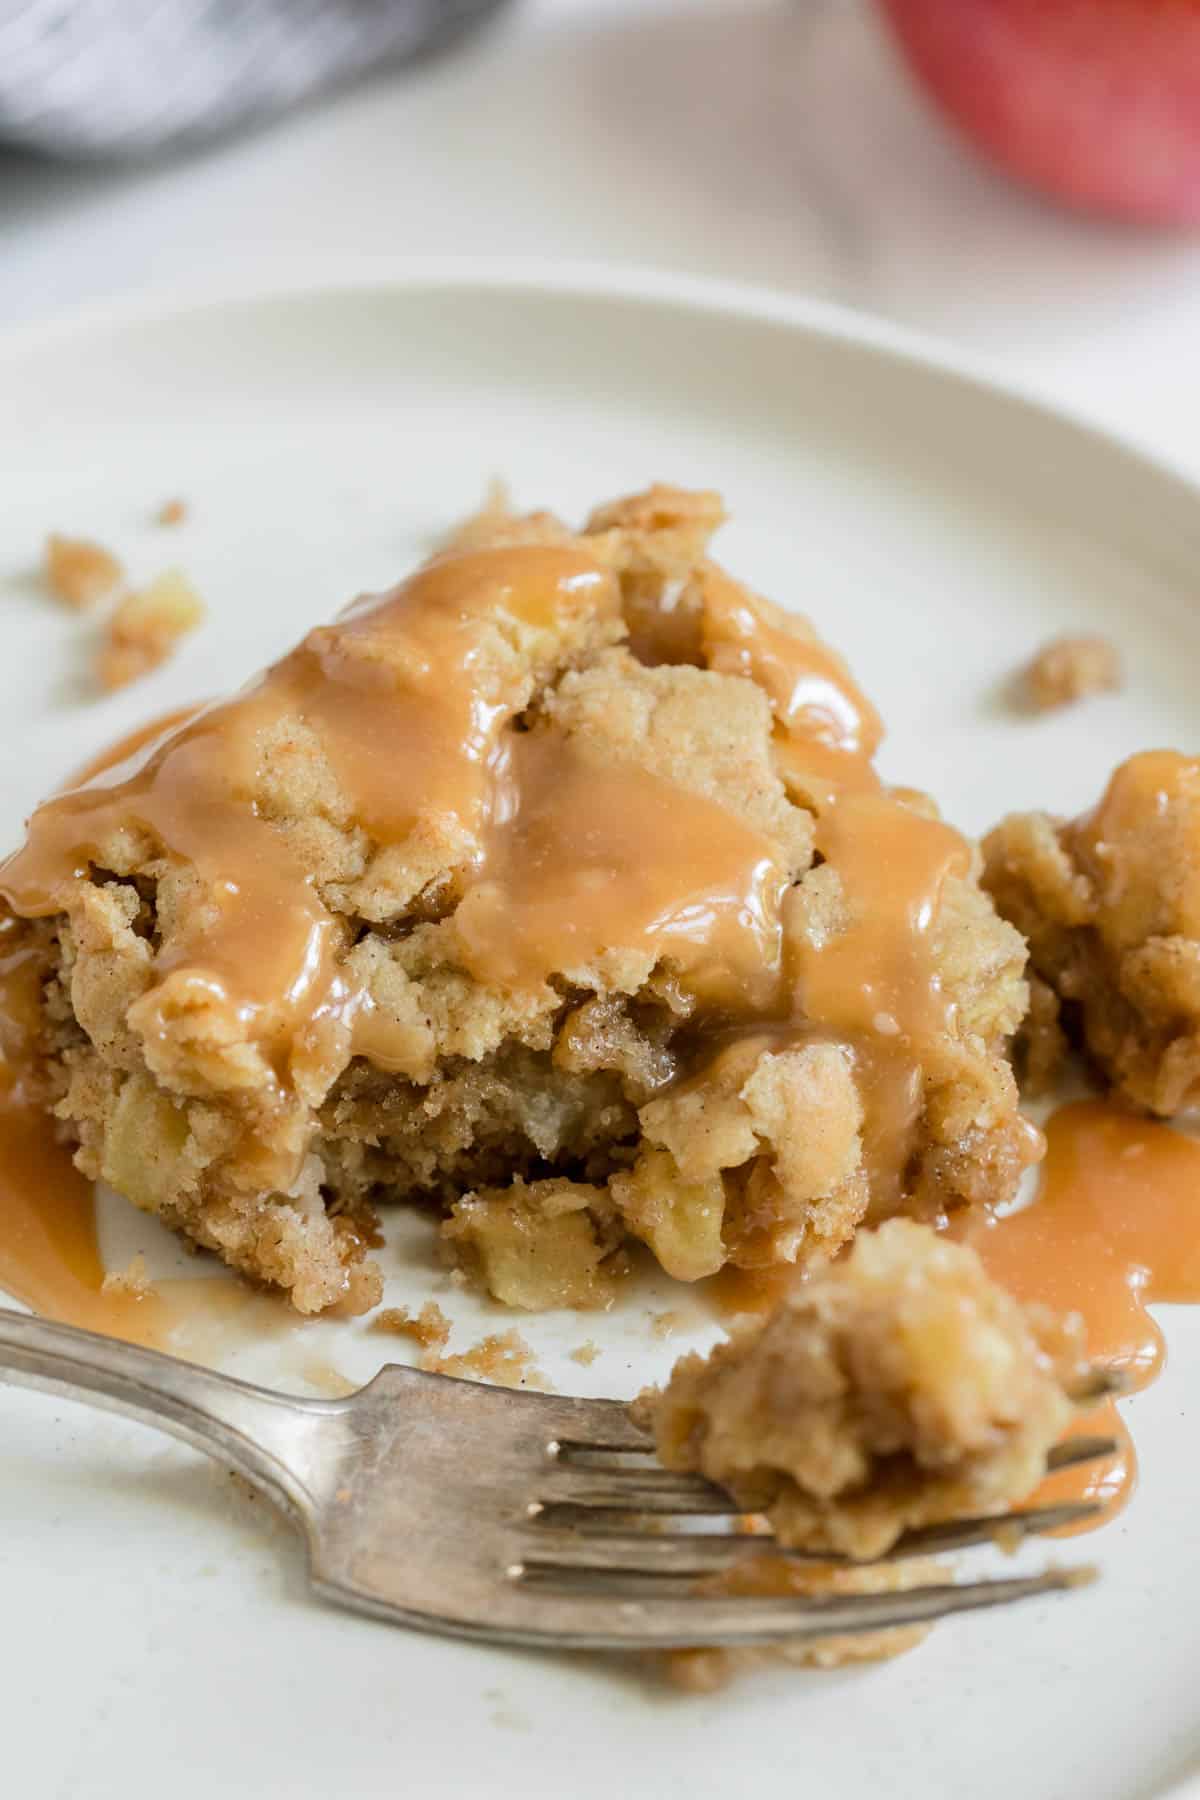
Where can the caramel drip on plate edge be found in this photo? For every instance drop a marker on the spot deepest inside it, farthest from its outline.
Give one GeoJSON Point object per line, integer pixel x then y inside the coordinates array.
{"type": "Point", "coordinates": [407, 697]}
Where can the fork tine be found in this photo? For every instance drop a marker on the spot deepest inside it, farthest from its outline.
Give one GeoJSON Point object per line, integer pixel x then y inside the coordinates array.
{"type": "Point", "coordinates": [692, 1554]}
{"type": "Point", "coordinates": [1098, 1383]}
{"type": "Point", "coordinates": [599, 1425]}
{"type": "Point", "coordinates": [571, 1449]}
{"type": "Point", "coordinates": [605, 1425]}
{"type": "Point", "coordinates": [638, 1552]}
{"type": "Point", "coordinates": [614, 1621]}
{"type": "Point", "coordinates": [961, 1534]}
{"type": "Point", "coordinates": [649, 1490]}
{"type": "Point", "coordinates": [1079, 1450]}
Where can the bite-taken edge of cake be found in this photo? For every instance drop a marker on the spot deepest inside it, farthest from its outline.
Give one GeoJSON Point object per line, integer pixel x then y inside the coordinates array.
{"type": "Point", "coordinates": [554, 888]}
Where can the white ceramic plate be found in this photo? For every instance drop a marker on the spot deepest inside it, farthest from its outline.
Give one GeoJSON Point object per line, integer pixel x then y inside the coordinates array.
{"type": "Point", "coordinates": [157, 1634]}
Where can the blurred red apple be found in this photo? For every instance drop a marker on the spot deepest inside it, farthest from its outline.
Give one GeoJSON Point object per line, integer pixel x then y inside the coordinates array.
{"type": "Point", "coordinates": [1096, 102]}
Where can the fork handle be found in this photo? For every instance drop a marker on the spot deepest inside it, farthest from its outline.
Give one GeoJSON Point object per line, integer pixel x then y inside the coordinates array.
{"type": "Point", "coordinates": [264, 1435]}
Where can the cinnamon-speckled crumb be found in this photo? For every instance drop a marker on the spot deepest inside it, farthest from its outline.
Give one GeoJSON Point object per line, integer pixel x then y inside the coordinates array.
{"type": "Point", "coordinates": [430, 1327]}
{"type": "Point", "coordinates": [145, 629]}
{"type": "Point", "coordinates": [704, 1670]}
{"type": "Point", "coordinates": [666, 1324]}
{"type": "Point", "coordinates": [503, 1357]}
{"type": "Point", "coordinates": [131, 1281]}
{"type": "Point", "coordinates": [1071, 668]}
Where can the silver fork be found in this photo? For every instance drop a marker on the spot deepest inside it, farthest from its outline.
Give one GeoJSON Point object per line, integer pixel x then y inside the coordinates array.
{"type": "Point", "coordinates": [502, 1515]}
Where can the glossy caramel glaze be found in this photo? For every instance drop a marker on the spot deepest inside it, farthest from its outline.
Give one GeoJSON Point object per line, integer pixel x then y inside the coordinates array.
{"type": "Point", "coordinates": [49, 1257]}
{"type": "Point", "coordinates": [1114, 1228]}
{"type": "Point", "coordinates": [566, 855]}
{"type": "Point", "coordinates": [432, 729]}
{"type": "Point", "coordinates": [392, 693]}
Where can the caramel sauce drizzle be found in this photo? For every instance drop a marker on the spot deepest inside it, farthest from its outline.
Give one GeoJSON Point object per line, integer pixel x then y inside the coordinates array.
{"type": "Point", "coordinates": [565, 858]}
{"type": "Point", "coordinates": [49, 1258]}
{"type": "Point", "coordinates": [124, 749]}
{"type": "Point", "coordinates": [397, 697]}
{"type": "Point", "coordinates": [650, 870]}
{"type": "Point", "coordinates": [1114, 1228]}
{"type": "Point", "coordinates": [813, 696]}
{"type": "Point", "coordinates": [568, 858]}
{"type": "Point", "coordinates": [49, 1251]}
{"type": "Point", "coordinates": [1129, 846]}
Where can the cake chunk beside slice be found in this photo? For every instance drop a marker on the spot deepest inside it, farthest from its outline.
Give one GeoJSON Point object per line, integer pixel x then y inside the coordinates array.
{"type": "Point", "coordinates": [1110, 905]}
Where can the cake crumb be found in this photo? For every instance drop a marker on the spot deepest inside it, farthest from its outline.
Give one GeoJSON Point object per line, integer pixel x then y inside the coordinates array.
{"type": "Point", "coordinates": [132, 1281]}
{"type": "Point", "coordinates": [80, 572]}
{"type": "Point", "coordinates": [145, 629]}
{"type": "Point", "coordinates": [171, 512]}
{"type": "Point", "coordinates": [430, 1327]}
{"type": "Point", "coordinates": [1008, 1536]}
{"type": "Point", "coordinates": [898, 1387]}
{"type": "Point", "coordinates": [503, 1357]}
{"type": "Point", "coordinates": [704, 1670]}
{"type": "Point", "coordinates": [1071, 668]}
{"type": "Point", "coordinates": [1041, 1043]}
{"type": "Point", "coordinates": [585, 1353]}
{"type": "Point", "coordinates": [666, 1324]}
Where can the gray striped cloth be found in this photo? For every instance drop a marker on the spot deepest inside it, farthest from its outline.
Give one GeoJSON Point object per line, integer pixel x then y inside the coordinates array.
{"type": "Point", "coordinates": [122, 78]}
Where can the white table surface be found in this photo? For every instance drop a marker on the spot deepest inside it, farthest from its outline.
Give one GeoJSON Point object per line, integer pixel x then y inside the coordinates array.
{"type": "Point", "coordinates": [775, 141]}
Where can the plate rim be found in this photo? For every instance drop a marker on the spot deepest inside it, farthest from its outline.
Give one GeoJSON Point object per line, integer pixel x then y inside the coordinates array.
{"type": "Point", "coordinates": [716, 297]}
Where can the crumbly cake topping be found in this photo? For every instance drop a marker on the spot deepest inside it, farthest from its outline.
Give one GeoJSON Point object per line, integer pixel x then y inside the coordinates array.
{"type": "Point", "coordinates": [79, 572]}
{"type": "Point", "coordinates": [430, 1328]}
{"type": "Point", "coordinates": [1110, 904]}
{"type": "Point", "coordinates": [145, 628]}
{"type": "Point", "coordinates": [1072, 668]}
